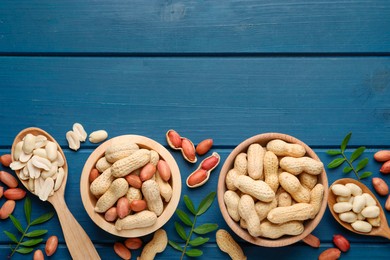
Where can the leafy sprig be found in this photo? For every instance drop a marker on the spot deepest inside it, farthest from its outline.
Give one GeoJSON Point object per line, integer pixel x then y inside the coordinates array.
{"type": "Point", "coordinates": [22, 245]}
{"type": "Point", "coordinates": [200, 230]}
{"type": "Point", "coordinates": [354, 156]}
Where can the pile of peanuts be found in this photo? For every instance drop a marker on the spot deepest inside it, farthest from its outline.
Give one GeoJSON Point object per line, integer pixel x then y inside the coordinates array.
{"type": "Point", "coordinates": [38, 161]}
{"type": "Point", "coordinates": [355, 207]}
{"type": "Point", "coordinates": [271, 190]}
{"type": "Point", "coordinates": [130, 183]}
{"type": "Point", "coordinates": [11, 193]}
{"type": "Point", "coordinates": [383, 156]}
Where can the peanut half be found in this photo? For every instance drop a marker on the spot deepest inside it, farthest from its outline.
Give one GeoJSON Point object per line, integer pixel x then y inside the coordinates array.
{"type": "Point", "coordinates": [185, 145]}
{"type": "Point", "coordinates": [98, 136]}
{"type": "Point", "coordinates": [201, 175]}
{"type": "Point", "coordinates": [40, 163]}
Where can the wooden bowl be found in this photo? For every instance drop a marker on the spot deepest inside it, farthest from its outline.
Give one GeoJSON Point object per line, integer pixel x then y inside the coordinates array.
{"type": "Point", "coordinates": [89, 200]}
{"type": "Point", "coordinates": [309, 225]}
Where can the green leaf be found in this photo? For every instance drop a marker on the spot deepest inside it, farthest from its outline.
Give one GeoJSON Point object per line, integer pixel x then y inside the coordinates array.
{"type": "Point", "coordinates": [32, 242]}
{"type": "Point", "coordinates": [175, 245]}
{"type": "Point", "coordinates": [184, 217]}
{"type": "Point", "coordinates": [11, 236]}
{"type": "Point", "coordinates": [347, 169]}
{"type": "Point", "coordinates": [194, 253]}
{"type": "Point", "coordinates": [199, 241]}
{"type": "Point", "coordinates": [16, 223]}
{"type": "Point", "coordinates": [365, 175]}
{"type": "Point", "coordinates": [45, 217]}
{"type": "Point", "coordinates": [205, 228]}
{"type": "Point", "coordinates": [27, 209]}
{"type": "Point", "coordinates": [189, 204]}
{"type": "Point", "coordinates": [24, 250]}
{"type": "Point", "coordinates": [336, 162]}
{"type": "Point", "coordinates": [205, 203]}
{"type": "Point", "coordinates": [345, 142]}
{"type": "Point", "coordinates": [333, 152]}
{"type": "Point", "coordinates": [36, 233]}
{"type": "Point", "coordinates": [362, 164]}
{"type": "Point", "coordinates": [180, 230]}
{"type": "Point", "coordinates": [357, 153]}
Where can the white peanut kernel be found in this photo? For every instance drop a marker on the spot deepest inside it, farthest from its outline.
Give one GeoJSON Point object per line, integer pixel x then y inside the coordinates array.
{"type": "Point", "coordinates": [342, 207]}
{"type": "Point", "coordinates": [362, 226]}
{"type": "Point", "coordinates": [38, 160]}
{"type": "Point", "coordinates": [365, 212]}
{"type": "Point", "coordinates": [348, 217]}
{"type": "Point", "coordinates": [355, 190]}
{"type": "Point", "coordinates": [341, 190]}
{"type": "Point", "coordinates": [371, 212]}
{"type": "Point", "coordinates": [98, 136]}
{"type": "Point", "coordinates": [359, 203]}
{"type": "Point", "coordinates": [73, 140]}
{"type": "Point", "coordinates": [80, 132]}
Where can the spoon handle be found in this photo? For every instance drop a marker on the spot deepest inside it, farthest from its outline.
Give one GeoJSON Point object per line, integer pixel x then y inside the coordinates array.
{"type": "Point", "coordinates": [79, 244]}
{"type": "Point", "coordinates": [385, 232]}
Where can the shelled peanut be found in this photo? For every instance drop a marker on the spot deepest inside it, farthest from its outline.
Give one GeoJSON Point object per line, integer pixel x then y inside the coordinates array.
{"type": "Point", "coordinates": [272, 190]}
{"type": "Point", "coordinates": [355, 207]}
{"type": "Point", "coordinates": [38, 161]}
{"type": "Point", "coordinates": [11, 192]}
{"type": "Point", "coordinates": [133, 185]}
{"type": "Point", "coordinates": [384, 157]}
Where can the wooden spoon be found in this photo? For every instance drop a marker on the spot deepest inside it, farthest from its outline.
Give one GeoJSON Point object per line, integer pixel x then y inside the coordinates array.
{"type": "Point", "coordinates": [77, 241]}
{"type": "Point", "coordinates": [383, 230]}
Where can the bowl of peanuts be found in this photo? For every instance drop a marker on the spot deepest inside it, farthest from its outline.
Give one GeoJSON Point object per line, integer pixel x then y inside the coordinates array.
{"type": "Point", "coordinates": [272, 190]}
{"type": "Point", "coordinates": [130, 186]}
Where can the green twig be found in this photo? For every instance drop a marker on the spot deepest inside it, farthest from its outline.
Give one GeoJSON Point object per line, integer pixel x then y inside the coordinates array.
{"type": "Point", "coordinates": [350, 165]}
{"type": "Point", "coordinates": [20, 241]}
{"type": "Point", "coordinates": [189, 238]}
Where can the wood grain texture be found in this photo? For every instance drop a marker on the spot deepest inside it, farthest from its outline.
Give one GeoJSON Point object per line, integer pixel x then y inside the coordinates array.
{"type": "Point", "coordinates": [226, 70]}
{"type": "Point", "coordinates": [377, 246]}
{"type": "Point", "coordinates": [187, 26]}
{"type": "Point", "coordinates": [317, 100]}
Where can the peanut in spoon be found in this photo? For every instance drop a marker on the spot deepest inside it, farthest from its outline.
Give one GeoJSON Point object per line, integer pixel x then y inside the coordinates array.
{"type": "Point", "coordinates": [79, 244]}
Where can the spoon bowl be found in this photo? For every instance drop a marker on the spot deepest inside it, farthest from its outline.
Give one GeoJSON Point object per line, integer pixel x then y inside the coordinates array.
{"type": "Point", "coordinates": [383, 230]}
{"type": "Point", "coordinates": [79, 244]}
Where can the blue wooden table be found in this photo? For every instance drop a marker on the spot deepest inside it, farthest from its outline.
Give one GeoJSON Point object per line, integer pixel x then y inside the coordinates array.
{"type": "Point", "coordinates": [225, 70]}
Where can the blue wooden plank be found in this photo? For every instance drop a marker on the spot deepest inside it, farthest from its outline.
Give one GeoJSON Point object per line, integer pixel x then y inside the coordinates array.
{"type": "Point", "coordinates": [376, 246]}
{"type": "Point", "coordinates": [195, 26]}
{"type": "Point", "coordinates": [230, 99]}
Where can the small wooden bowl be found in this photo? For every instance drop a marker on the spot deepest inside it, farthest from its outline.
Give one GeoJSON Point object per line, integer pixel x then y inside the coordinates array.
{"type": "Point", "coordinates": [309, 225]}
{"type": "Point", "coordinates": [89, 200]}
